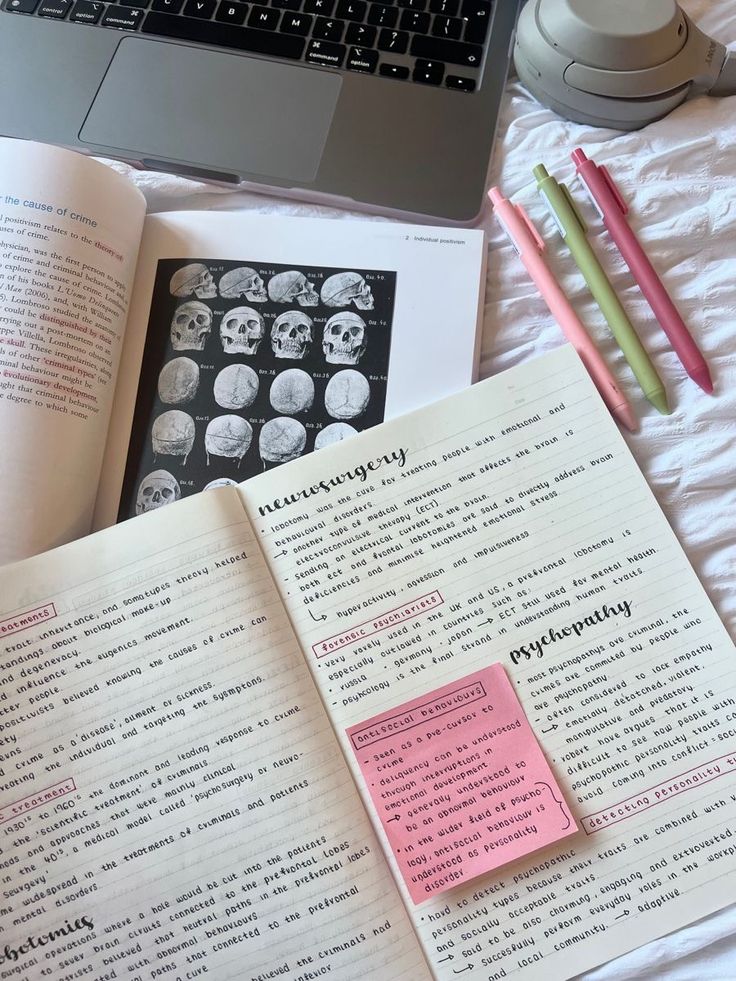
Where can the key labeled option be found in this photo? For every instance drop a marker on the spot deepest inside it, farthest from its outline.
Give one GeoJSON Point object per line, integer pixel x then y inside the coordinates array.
{"type": "Point", "coordinates": [86, 12]}
{"type": "Point", "coordinates": [362, 60]}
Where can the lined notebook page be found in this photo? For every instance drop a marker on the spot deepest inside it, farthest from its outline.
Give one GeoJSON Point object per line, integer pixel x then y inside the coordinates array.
{"type": "Point", "coordinates": [173, 798]}
{"type": "Point", "coordinates": [511, 524]}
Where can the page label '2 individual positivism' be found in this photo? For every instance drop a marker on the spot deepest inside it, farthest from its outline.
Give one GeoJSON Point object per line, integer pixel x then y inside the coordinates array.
{"type": "Point", "coordinates": [459, 782]}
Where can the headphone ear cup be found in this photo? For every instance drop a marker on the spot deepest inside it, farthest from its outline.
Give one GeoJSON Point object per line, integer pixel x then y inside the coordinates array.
{"type": "Point", "coordinates": [541, 67]}
{"type": "Point", "coordinates": [550, 89]}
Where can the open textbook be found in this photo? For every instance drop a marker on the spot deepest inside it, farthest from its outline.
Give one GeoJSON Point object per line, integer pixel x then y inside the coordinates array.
{"type": "Point", "coordinates": [261, 733]}
{"type": "Point", "coordinates": [236, 342]}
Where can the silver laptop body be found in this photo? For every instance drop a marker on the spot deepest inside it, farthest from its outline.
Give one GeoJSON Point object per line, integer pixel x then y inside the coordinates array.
{"type": "Point", "coordinates": [176, 85]}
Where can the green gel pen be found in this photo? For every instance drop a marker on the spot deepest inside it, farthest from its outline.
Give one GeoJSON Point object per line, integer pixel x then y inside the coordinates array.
{"type": "Point", "coordinates": [573, 230]}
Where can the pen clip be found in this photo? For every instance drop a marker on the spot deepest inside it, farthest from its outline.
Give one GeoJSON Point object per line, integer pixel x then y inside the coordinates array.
{"type": "Point", "coordinates": [570, 200]}
{"type": "Point", "coordinates": [537, 238]}
{"type": "Point", "coordinates": [603, 170]}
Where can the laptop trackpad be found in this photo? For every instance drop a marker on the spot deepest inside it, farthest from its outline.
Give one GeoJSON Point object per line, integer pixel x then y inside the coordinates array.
{"type": "Point", "coordinates": [223, 111]}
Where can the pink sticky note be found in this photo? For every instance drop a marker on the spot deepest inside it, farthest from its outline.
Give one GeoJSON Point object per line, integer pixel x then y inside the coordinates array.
{"type": "Point", "coordinates": [459, 782]}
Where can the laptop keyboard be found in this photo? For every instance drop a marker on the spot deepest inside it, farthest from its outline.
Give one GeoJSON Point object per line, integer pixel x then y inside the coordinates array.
{"type": "Point", "coordinates": [431, 42]}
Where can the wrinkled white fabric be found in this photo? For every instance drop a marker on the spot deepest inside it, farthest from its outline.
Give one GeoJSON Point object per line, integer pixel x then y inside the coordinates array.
{"type": "Point", "coordinates": [679, 178]}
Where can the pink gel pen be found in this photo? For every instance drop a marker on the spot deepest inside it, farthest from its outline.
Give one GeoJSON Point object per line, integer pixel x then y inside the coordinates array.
{"type": "Point", "coordinates": [613, 210]}
{"type": "Point", "coordinates": [529, 245]}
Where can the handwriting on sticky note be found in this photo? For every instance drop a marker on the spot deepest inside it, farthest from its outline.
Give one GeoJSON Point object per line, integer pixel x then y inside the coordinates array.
{"type": "Point", "coordinates": [460, 783]}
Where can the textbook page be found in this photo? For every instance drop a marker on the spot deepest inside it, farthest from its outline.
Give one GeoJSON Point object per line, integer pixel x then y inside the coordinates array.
{"type": "Point", "coordinates": [254, 338]}
{"type": "Point", "coordinates": [510, 524]}
{"type": "Point", "coordinates": [69, 234]}
{"type": "Point", "coordinates": [173, 800]}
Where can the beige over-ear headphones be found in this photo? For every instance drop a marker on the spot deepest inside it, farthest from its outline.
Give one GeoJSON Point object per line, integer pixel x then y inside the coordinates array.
{"type": "Point", "coordinates": [617, 63]}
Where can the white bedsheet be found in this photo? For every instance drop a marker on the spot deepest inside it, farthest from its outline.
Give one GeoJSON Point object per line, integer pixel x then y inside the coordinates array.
{"type": "Point", "coordinates": [679, 177]}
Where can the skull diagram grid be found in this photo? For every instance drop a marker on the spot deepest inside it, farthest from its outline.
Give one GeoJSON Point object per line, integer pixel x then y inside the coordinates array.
{"type": "Point", "coordinates": [269, 361]}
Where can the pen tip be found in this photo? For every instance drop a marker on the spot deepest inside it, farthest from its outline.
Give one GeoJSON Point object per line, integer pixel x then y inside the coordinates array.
{"type": "Point", "coordinates": [659, 401]}
{"type": "Point", "coordinates": [701, 376]}
{"type": "Point", "coordinates": [627, 418]}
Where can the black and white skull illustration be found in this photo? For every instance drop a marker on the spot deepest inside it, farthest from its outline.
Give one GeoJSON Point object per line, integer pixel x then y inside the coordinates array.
{"type": "Point", "coordinates": [243, 281]}
{"type": "Point", "coordinates": [336, 432]}
{"type": "Point", "coordinates": [228, 436]}
{"type": "Point", "coordinates": [347, 394]}
{"type": "Point", "coordinates": [193, 279]}
{"type": "Point", "coordinates": [281, 440]}
{"type": "Point", "coordinates": [236, 387]}
{"type": "Point", "coordinates": [172, 434]}
{"type": "Point", "coordinates": [344, 339]}
{"type": "Point", "coordinates": [241, 331]}
{"type": "Point", "coordinates": [291, 335]}
{"type": "Point", "coordinates": [345, 288]}
{"type": "Point", "coordinates": [292, 286]}
{"type": "Point", "coordinates": [178, 381]}
{"type": "Point", "coordinates": [191, 325]}
{"type": "Point", "coordinates": [292, 392]}
{"type": "Point", "coordinates": [156, 489]}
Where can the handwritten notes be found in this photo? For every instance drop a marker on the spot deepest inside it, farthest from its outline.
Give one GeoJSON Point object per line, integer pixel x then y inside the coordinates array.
{"type": "Point", "coordinates": [459, 782]}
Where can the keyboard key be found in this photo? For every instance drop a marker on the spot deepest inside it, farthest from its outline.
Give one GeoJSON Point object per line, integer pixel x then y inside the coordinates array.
{"type": "Point", "coordinates": [351, 9]}
{"type": "Point", "coordinates": [137, 3]}
{"type": "Point", "coordinates": [382, 16]}
{"type": "Point", "coordinates": [123, 18]}
{"type": "Point", "coordinates": [296, 24]}
{"type": "Point", "coordinates": [22, 6]}
{"type": "Point", "coordinates": [328, 30]}
{"type": "Point", "coordinates": [267, 20]}
{"type": "Point", "coordinates": [322, 7]}
{"type": "Point", "coordinates": [414, 20]}
{"type": "Point", "coordinates": [287, 4]}
{"type": "Point", "coordinates": [395, 42]}
{"type": "Point", "coordinates": [167, 6]}
{"type": "Point", "coordinates": [478, 16]}
{"type": "Point", "coordinates": [412, 4]}
{"type": "Point", "coordinates": [429, 72]}
{"type": "Point", "coordinates": [203, 9]}
{"type": "Point", "coordinates": [448, 8]}
{"type": "Point", "coordinates": [324, 53]}
{"type": "Point", "coordinates": [362, 36]}
{"type": "Point", "coordinates": [393, 71]}
{"type": "Point", "coordinates": [435, 49]}
{"type": "Point", "coordinates": [86, 12]}
{"type": "Point", "coordinates": [362, 60]}
{"type": "Point", "coordinates": [226, 35]}
{"type": "Point", "coordinates": [463, 84]}
{"type": "Point", "coordinates": [451, 27]}
{"type": "Point", "coordinates": [230, 12]}
{"type": "Point", "coordinates": [54, 8]}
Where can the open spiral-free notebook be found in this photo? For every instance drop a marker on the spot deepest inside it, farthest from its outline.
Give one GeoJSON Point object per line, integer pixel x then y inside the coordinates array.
{"type": "Point", "coordinates": [445, 698]}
